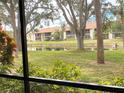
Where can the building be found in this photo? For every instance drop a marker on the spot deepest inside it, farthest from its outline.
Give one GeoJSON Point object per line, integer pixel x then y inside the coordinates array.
{"type": "Point", "coordinates": [45, 34]}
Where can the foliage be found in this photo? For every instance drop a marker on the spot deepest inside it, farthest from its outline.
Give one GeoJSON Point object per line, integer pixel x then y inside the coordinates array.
{"type": "Point", "coordinates": [11, 86]}
{"type": "Point", "coordinates": [116, 26]}
{"type": "Point", "coordinates": [32, 7]}
{"type": "Point", "coordinates": [107, 26]}
{"type": "Point", "coordinates": [56, 35]}
{"type": "Point", "coordinates": [76, 14]}
{"type": "Point", "coordinates": [6, 68]}
{"type": "Point", "coordinates": [60, 70]}
{"type": "Point", "coordinates": [116, 81]}
{"type": "Point", "coordinates": [7, 48]}
{"type": "Point", "coordinates": [112, 26]}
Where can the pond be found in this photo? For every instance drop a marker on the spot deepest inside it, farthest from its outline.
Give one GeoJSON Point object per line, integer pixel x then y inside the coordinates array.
{"type": "Point", "coordinates": [46, 49]}
{"type": "Point", "coordinates": [61, 48]}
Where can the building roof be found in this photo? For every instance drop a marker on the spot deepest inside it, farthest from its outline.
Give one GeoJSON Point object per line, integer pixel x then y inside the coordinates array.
{"type": "Point", "coordinates": [48, 29]}
{"type": "Point", "coordinates": [89, 25]}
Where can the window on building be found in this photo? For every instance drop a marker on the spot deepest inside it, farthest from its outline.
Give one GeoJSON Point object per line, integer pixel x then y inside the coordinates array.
{"type": "Point", "coordinates": [38, 36]}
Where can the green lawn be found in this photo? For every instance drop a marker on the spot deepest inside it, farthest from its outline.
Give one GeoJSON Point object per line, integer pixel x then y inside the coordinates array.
{"type": "Point", "coordinates": [90, 70]}
{"type": "Point", "coordinates": [72, 43]}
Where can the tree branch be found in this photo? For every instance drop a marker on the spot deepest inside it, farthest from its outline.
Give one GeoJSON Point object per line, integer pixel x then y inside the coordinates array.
{"type": "Point", "coordinates": [72, 12]}
{"type": "Point", "coordinates": [64, 13]}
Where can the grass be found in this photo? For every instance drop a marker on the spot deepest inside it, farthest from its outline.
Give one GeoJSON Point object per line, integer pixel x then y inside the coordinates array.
{"type": "Point", "coordinates": [107, 41]}
{"type": "Point", "coordinates": [72, 43]}
{"type": "Point", "coordinates": [90, 70]}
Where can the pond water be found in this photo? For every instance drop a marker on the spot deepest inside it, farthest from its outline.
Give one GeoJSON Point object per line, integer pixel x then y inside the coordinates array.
{"type": "Point", "coordinates": [46, 49]}
{"type": "Point", "coordinates": [61, 48]}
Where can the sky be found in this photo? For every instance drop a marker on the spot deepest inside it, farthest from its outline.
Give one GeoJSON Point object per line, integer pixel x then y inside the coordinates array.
{"type": "Point", "coordinates": [112, 1]}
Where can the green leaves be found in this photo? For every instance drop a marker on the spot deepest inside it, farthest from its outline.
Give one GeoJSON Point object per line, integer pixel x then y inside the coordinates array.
{"type": "Point", "coordinates": [7, 48]}
{"type": "Point", "coordinates": [65, 71]}
{"type": "Point", "coordinates": [116, 81]}
{"type": "Point", "coordinates": [60, 70]}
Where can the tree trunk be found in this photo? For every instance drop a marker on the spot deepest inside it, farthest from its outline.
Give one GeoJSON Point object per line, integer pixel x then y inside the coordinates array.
{"type": "Point", "coordinates": [122, 29]}
{"type": "Point", "coordinates": [122, 21]}
{"type": "Point", "coordinates": [100, 47]}
{"type": "Point", "coordinates": [80, 41]}
{"type": "Point", "coordinates": [18, 40]}
{"type": "Point", "coordinates": [16, 30]}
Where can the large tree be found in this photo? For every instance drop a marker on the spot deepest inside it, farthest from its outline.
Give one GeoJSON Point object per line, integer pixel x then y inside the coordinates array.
{"type": "Point", "coordinates": [10, 7]}
{"type": "Point", "coordinates": [121, 14]}
{"type": "Point", "coordinates": [76, 13]}
{"type": "Point", "coordinates": [35, 10]}
{"type": "Point", "coordinates": [100, 47]}
{"type": "Point", "coordinates": [118, 11]}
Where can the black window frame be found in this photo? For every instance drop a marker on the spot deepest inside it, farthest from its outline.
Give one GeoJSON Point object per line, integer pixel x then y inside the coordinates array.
{"type": "Point", "coordinates": [26, 78]}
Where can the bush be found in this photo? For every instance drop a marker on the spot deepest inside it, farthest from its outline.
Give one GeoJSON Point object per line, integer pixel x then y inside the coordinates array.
{"type": "Point", "coordinates": [7, 47]}
{"type": "Point", "coordinates": [60, 70]}
{"type": "Point", "coordinates": [11, 86]}
{"type": "Point", "coordinates": [56, 36]}
{"type": "Point", "coordinates": [116, 81]}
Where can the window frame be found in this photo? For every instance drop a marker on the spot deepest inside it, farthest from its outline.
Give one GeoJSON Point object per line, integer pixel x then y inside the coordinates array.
{"type": "Point", "coordinates": [26, 78]}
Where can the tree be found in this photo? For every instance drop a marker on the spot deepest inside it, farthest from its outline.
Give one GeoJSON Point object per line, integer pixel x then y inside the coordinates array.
{"type": "Point", "coordinates": [118, 11]}
{"type": "Point", "coordinates": [76, 13]}
{"type": "Point", "coordinates": [107, 16]}
{"type": "Point", "coordinates": [121, 14]}
{"type": "Point", "coordinates": [100, 47]}
{"type": "Point", "coordinates": [11, 9]}
{"type": "Point", "coordinates": [33, 16]}
{"type": "Point", "coordinates": [3, 15]}
{"type": "Point", "coordinates": [35, 11]}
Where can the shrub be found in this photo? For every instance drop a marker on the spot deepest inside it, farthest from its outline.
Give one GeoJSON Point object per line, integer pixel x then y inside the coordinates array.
{"type": "Point", "coordinates": [56, 36]}
{"type": "Point", "coordinates": [11, 86]}
{"type": "Point", "coordinates": [7, 47]}
{"type": "Point", "coordinates": [116, 81]}
{"type": "Point", "coordinates": [60, 70]}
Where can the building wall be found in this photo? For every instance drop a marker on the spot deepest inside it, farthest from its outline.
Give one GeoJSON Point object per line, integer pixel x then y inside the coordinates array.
{"type": "Point", "coordinates": [31, 36]}
{"type": "Point", "coordinates": [92, 34]}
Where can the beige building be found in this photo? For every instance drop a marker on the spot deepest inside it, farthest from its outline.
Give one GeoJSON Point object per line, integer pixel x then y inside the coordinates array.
{"type": "Point", "coordinates": [43, 34]}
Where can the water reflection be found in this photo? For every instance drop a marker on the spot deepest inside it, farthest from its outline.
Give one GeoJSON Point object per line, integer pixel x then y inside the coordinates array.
{"type": "Point", "coordinates": [46, 49]}
{"type": "Point", "coordinates": [62, 49]}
